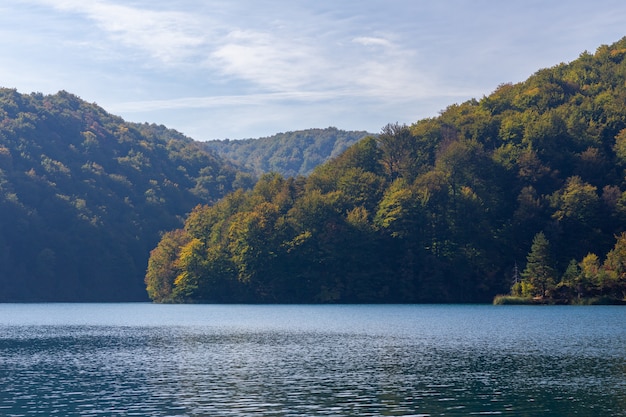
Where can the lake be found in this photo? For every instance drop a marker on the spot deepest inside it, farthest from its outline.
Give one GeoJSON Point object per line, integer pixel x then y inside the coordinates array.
{"type": "Point", "coordinates": [304, 360]}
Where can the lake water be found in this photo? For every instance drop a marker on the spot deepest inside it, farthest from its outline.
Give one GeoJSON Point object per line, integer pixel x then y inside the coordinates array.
{"type": "Point", "coordinates": [234, 360]}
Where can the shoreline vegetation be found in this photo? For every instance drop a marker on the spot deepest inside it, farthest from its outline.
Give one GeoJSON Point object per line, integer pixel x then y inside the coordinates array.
{"type": "Point", "coordinates": [593, 301]}
{"type": "Point", "coordinates": [588, 282]}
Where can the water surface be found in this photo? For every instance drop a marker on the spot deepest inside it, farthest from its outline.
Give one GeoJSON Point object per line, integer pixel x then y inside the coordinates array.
{"type": "Point", "coordinates": [236, 360]}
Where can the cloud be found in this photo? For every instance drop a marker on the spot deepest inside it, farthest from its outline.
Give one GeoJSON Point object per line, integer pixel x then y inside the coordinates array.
{"type": "Point", "coordinates": [325, 58]}
{"type": "Point", "coordinates": [266, 60]}
{"type": "Point", "coordinates": [222, 101]}
{"type": "Point", "coordinates": [371, 41]}
{"type": "Point", "coordinates": [202, 61]}
{"type": "Point", "coordinates": [284, 99]}
{"type": "Point", "coordinates": [337, 66]}
{"type": "Point", "coordinates": [168, 36]}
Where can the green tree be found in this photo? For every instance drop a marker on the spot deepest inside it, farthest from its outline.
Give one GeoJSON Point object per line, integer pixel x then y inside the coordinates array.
{"type": "Point", "coordinates": [577, 212]}
{"type": "Point", "coordinates": [620, 147]}
{"type": "Point", "coordinates": [398, 211]}
{"type": "Point", "coordinates": [402, 154]}
{"type": "Point", "coordinates": [591, 274]}
{"type": "Point", "coordinates": [578, 201]}
{"type": "Point", "coordinates": [163, 267]}
{"type": "Point", "coordinates": [255, 241]}
{"type": "Point", "coordinates": [615, 266]}
{"type": "Point", "coordinates": [192, 264]}
{"type": "Point", "coordinates": [572, 283]}
{"type": "Point", "coordinates": [539, 272]}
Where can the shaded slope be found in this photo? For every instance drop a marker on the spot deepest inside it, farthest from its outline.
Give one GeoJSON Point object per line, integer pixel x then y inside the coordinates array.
{"type": "Point", "coordinates": [84, 196]}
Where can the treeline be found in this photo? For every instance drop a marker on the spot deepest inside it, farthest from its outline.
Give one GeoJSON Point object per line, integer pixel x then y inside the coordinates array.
{"type": "Point", "coordinates": [84, 196]}
{"type": "Point", "coordinates": [588, 281]}
{"type": "Point", "coordinates": [439, 211]}
{"type": "Point", "coordinates": [289, 154]}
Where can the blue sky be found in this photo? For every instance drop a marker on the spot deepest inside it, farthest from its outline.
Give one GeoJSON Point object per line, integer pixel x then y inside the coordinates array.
{"type": "Point", "coordinates": [216, 69]}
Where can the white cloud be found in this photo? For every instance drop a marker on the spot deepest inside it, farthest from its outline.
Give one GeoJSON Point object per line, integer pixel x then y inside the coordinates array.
{"type": "Point", "coordinates": [266, 60]}
{"type": "Point", "coordinates": [168, 36]}
{"type": "Point", "coordinates": [372, 41]}
{"type": "Point", "coordinates": [221, 101]}
{"type": "Point", "coordinates": [323, 60]}
{"type": "Point", "coordinates": [281, 64]}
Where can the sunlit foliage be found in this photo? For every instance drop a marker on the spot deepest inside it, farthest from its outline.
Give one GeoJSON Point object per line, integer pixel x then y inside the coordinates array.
{"type": "Point", "coordinates": [441, 210]}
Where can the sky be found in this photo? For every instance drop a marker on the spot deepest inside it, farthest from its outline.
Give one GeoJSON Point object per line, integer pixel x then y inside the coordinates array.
{"type": "Point", "coordinates": [217, 69]}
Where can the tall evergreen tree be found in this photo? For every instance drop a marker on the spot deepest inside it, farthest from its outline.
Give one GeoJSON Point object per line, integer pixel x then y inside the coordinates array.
{"type": "Point", "coordinates": [539, 274]}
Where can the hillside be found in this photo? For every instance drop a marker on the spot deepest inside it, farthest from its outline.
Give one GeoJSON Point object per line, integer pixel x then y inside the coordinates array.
{"type": "Point", "coordinates": [439, 211]}
{"type": "Point", "coordinates": [290, 153]}
{"type": "Point", "coordinates": [84, 196]}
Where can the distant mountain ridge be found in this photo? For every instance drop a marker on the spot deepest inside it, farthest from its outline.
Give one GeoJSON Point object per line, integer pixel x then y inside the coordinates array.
{"type": "Point", "coordinates": [290, 153]}
{"type": "Point", "coordinates": [84, 196]}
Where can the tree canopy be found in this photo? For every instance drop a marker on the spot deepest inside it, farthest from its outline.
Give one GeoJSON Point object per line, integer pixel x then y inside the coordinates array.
{"type": "Point", "coordinates": [84, 196]}
{"type": "Point", "coordinates": [289, 153]}
{"type": "Point", "coordinates": [438, 211]}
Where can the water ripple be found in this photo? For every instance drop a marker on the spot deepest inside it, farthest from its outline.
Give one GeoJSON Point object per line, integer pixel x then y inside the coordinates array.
{"type": "Point", "coordinates": [272, 368]}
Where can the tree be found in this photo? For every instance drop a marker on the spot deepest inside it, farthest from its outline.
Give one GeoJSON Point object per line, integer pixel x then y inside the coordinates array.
{"type": "Point", "coordinates": [398, 211]}
{"type": "Point", "coordinates": [615, 266]}
{"type": "Point", "coordinates": [539, 272]}
{"type": "Point", "coordinates": [192, 264]}
{"type": "Point", "coordinates": [572, 283]}
{"type": "Point", "coordinates": [591, 274]}
{"type": "Point", "coordinates": [577, 207]}
{"type": "Point", "coordinates": [255, 242]}
{"type": "Point", "coordinates": [401, 152]}
{"type": "Point", "coordinates": [162, 265]}
{"type": "Point", "coordinates": [578, 201]}
{"type": "Point", "coordinates": [620, 146]}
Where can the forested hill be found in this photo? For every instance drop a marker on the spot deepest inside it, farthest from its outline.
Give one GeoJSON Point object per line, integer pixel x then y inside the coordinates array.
{"type": "Point", "coordinates": [438, 211]}
{"type": "Point", "coordinates": [290, 153]}
{"type": "Point", "coordinates": [84, 196]}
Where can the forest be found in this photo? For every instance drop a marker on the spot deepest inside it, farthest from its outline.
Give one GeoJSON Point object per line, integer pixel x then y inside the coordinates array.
{"type": "Point", "coordinates": [84, 196]}
{"type": "Point", "coordinates": [290, 153]}
{"type": "Point", "coordinates": [530, 178]}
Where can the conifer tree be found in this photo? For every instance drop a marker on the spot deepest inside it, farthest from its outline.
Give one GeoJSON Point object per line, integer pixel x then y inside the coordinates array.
{"type": "Point", "coordinates": [539, 273]}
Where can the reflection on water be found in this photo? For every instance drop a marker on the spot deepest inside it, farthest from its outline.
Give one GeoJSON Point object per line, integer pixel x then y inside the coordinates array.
{"type": "Point", "coordinates": [151, 360]}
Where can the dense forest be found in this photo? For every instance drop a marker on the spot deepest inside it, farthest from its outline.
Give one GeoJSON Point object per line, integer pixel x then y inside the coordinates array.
{"type": "Point", "coordinates": [443, 210]}
{"type": "Point", "coordinates": [290, 154]}
{"type": "Point", "coordinates": [84, 196]}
